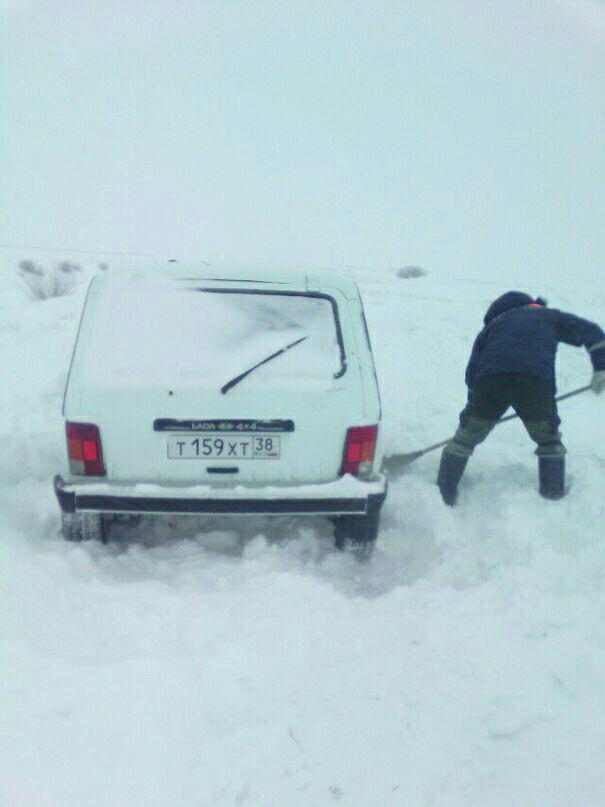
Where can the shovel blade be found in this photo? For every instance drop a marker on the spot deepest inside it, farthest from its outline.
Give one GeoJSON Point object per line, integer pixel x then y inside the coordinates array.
{"type": "Point", "coordinates": [396, 464]}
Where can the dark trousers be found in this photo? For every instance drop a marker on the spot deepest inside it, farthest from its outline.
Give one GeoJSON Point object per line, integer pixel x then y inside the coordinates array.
{"type": "Point", "coordinates": [533, 399]}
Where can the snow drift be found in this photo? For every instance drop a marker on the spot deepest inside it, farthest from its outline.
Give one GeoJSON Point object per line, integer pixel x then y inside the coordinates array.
{"type": "Point", "coordinates": [244, 661]}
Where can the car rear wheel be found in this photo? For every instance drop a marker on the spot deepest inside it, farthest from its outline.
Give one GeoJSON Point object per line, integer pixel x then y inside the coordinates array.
{"type": "Point", "coordinates": [357, 534]}
{"type": "Point", "coordinates": [83, 527]}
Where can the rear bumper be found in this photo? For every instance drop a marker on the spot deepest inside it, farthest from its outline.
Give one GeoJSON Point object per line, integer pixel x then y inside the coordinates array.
{"type": "Point", "coordinates": [341, 497]}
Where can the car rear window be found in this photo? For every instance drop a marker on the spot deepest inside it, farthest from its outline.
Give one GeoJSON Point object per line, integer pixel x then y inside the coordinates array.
{"type": "Point", "coordinates": [168, 336]}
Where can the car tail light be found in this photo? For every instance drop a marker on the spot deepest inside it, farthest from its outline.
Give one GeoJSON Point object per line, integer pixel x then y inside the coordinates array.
{"type": "Point", "coordinates": [360, 446]}
{"type": "Point", "coordinates": [84, 449]}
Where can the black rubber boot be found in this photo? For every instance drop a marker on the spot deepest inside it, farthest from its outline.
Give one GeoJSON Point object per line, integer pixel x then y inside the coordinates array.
{"type": "Point", "coordinates": [552, 477]}
{"type": "Point", "coordinates": [451, 469]}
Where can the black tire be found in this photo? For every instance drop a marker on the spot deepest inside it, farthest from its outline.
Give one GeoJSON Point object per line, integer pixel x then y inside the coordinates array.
{"type": "Point", "coordinates": [358, 534]}
{"type": "Point", "coordinates": [83, 527]}
{"type": "Point", "coordinates": [131, 519]}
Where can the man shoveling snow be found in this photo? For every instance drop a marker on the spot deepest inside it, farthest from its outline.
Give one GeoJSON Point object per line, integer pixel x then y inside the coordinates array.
{"type": "Point", "coordinates": [513, 364]}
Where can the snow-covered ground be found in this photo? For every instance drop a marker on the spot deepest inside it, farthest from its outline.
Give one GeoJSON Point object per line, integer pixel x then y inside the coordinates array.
{"type": "Point", "coordinates": [245, 662]}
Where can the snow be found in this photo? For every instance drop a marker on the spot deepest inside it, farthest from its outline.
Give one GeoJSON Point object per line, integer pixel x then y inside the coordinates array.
{"type": "Point", "coordinates": [346, 487]}
{"type": "Point", "coordinates": [243, 661]}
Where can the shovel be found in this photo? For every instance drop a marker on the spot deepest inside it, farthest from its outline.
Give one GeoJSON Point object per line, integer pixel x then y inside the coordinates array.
{"type": "Point", "coordinates": [395, 463]}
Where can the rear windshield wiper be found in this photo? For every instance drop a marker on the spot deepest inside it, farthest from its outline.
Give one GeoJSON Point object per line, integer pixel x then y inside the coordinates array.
{"type": "Point", "coordinates": [230, 384]}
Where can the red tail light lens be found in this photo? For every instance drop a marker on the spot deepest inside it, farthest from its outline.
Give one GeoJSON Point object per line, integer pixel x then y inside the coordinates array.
{"type": "Point", "coordinates": [84, 449]}
{"type": "Point", "coordinates": [360, 446]}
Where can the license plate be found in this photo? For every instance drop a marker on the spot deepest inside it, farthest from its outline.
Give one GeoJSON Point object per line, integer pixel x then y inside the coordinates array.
{"type": "Point", "coordinates": [226, 447]}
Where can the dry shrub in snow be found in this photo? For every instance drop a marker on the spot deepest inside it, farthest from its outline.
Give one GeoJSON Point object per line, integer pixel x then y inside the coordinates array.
{"type": "Point", "coordinates": [68, 268]}
{"type": "Point", "coordinates": [44, 284]}
{"type": "Point", "coordinates": [411, 271]}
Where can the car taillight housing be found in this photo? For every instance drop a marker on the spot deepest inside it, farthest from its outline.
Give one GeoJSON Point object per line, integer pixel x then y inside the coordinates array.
{"type": "Point", "coordinates": [360, 446]}
{"type": "Point", "coordinates": [84, 449]}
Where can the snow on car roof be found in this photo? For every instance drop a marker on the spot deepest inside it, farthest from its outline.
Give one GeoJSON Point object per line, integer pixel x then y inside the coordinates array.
{"type": "Point", "coordinates": [297, 278]}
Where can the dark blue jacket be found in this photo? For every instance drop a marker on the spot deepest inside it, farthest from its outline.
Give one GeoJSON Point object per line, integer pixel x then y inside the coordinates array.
{"type": "Point", "coordinates": [522, 336]}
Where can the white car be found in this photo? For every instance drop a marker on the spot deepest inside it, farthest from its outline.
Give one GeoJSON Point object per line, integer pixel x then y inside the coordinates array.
{"type": "Point", "coordinates": [195, 389]}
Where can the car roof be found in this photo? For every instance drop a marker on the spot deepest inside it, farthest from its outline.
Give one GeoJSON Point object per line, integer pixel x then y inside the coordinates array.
{"type": "Point", "coordinates": [294, 278]}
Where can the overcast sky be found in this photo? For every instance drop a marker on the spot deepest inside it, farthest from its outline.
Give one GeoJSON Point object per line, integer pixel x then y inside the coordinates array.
{"type": "Point", "coordinates": [447, 133]}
